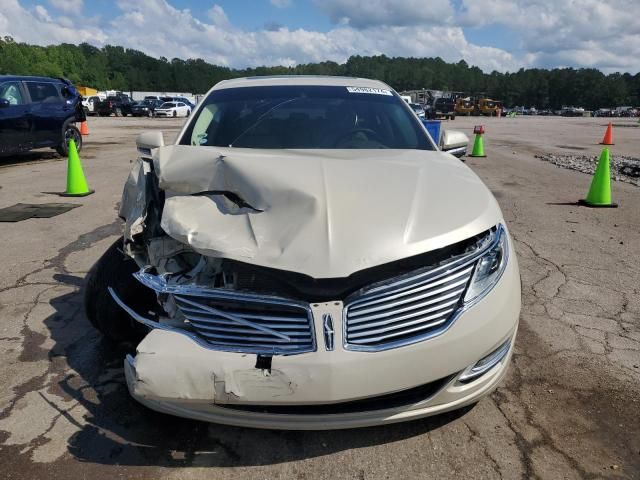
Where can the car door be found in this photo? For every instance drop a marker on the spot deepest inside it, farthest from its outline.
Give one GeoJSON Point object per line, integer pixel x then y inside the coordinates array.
{"type": "Point", "coordinates": [49, 110]}
{"type": "Point", "coordinates": [15, 118]}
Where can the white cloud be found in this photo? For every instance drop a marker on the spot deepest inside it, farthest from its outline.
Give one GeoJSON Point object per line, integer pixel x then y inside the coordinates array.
{"type": "Point", "coordinates": [33, 27]}
{"type": "Point", "coordinates": [281, 3]}
{"type": "Point", "coordinates": [41, 13]}
{"type": "Point", "coordinates": [68, 6]}
{"type": "Point", "coordinates": [368, 13]}
{"type": "Point", "coordinates": [548, 33]}
{"type": "Point", "coordinates": [177, 33]}
{"type": "Point", "coordinates": [575, 33]}
{"type": "Point", "coordinates": [218, 17]}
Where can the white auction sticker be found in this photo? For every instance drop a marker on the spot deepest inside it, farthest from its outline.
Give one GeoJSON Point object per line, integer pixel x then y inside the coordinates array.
{"type": "Point", "coordinates": [374, 91]}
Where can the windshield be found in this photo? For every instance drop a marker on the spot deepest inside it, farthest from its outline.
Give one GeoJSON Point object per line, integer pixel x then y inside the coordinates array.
{"type": "Point", "coordinates": [306, 117]}
{"type": "Point", "coordinates": [168, 105]}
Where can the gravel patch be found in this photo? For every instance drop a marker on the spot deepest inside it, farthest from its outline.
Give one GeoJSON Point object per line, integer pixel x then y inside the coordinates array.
{"type": "Point", "coordinates": [623, 169]}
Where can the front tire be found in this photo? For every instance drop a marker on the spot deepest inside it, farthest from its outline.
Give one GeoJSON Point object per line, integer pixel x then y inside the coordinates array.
{"type": "Point", "coordinates": [175, 114]}
{"type": "Point", "coordinates": [114, 269]}
{"type": "Point", "coordinates": [69, 132]}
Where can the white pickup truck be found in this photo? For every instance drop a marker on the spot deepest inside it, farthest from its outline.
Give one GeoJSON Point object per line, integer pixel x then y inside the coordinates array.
{"type": "Point", "coordinates": [88, 104]}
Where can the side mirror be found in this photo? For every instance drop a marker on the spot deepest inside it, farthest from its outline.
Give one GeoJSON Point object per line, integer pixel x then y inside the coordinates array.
{"type": "Point", "coordinates": [4, 103]}
{"type": "Point", "coordinates": [148, 141]}
{"type": "Point", "coordinates": [454, 142]}
{"type": "Point", "coordinates": [68, 91]}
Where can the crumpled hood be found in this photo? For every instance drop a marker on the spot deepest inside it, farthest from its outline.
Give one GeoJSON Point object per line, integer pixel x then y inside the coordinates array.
{"type": "Point", "coordinates": [323, 213]}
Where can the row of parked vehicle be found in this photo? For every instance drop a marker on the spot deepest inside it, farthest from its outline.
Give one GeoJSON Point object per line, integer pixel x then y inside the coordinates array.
{"type": "Point", "coordinates": [447, 107]}
{"type": "Point", "coordinates": [576, 112]}
{"type": "Point", "coordinates": [440, 108]}
{"type": "Point", "coordinates": [122, 105]}
{"type": "Point", "coordinates": [617, 112]}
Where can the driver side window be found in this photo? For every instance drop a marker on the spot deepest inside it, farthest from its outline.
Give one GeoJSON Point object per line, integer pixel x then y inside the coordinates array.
{"type": "Point", "coordinates": [11, 92]}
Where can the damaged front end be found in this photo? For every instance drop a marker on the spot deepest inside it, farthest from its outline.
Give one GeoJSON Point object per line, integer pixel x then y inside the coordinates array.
{"type": "Point", "coordinates": [260, 303]}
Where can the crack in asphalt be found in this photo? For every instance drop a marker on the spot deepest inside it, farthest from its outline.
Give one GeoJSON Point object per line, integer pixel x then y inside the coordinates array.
{"type": "Point", "coordinates": [476, 437]}
{"type": "Point", "coordinates": [534, 294]}
{"type": "Point", "coordinates": [31, 340]}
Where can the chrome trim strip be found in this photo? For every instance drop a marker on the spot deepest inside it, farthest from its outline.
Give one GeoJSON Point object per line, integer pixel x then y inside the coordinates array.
{"type": "Point", "coordinates": [439, 280]}
{"type": "Point", "coordinates": [422, 316]}
{"type": "Point", "coordinates": [159, 285]}
{"type": "Point", "coordinates": [329, 332]}
{"type": "Point", "coordinates": [422, 326]}
{"type": "Point", "coordinates": [487, 363]}
{"type": "Point", "coordinates": [233, 318]}
{"type": "Point", "coordinates": [439, 299]}
{"type": "Point", "coordinates": [441, 270]}
{"type": "Point", "coordinates": [133, 314]}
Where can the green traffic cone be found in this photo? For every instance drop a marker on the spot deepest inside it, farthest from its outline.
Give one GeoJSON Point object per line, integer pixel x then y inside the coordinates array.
{"type": "Point", "coordinates": [478, 147]}
{"type": "Point", "coordinates": [600, 191]}
{"type": "Point", "coordinates": [76, 183]}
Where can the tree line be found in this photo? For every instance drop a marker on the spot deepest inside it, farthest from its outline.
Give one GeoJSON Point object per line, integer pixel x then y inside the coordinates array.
{"type": "Point", "coordinates": [119, 68]}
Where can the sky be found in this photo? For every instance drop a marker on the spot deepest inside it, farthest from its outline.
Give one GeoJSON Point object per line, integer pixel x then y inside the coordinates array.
{"type": "Point", "coordinates": [502, 35]}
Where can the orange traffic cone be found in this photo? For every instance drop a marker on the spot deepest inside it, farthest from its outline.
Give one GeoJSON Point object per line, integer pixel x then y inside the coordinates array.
{"type": "Point", "coordinates": [608, 136]}
{"type": "Point", "coordinates": [84, 130]}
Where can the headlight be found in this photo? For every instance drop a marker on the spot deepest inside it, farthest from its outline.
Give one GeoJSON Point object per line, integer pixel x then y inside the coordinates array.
{"type": "Point", "coordinates": [490, 266]}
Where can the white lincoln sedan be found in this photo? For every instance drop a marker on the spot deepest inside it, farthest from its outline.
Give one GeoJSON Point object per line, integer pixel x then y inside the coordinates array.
{"type": "Point", "coordinates": [305, 256]}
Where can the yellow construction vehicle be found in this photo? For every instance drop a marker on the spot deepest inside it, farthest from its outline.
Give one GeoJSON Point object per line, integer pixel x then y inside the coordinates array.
{"type": "Point", "coordinates": [465, 106]}
{"type": "Point", "coordinates": [486, 106]}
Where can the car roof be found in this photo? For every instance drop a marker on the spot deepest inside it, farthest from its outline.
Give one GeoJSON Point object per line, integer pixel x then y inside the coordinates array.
{"type": "Point", "coordinates": [18, 78]}
{"type": "Point", "coordinates": [293, 80]}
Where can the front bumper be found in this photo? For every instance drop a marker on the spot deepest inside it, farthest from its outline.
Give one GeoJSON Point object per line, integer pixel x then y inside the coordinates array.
{"type": "Point", "coordinates": [451, 396]}
{"type": "Point", "coordinates": [171, 373]}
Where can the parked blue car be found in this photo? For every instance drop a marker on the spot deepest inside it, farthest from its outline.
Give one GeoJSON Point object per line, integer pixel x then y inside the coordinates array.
{"type": "Point", "coordinates": [38, 112]}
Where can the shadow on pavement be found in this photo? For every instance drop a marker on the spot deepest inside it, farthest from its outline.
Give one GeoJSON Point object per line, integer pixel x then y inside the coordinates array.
{"type": "Point", "coordinates": [118, 430]}
{"type": "Point", "coordinates": [33, 156]}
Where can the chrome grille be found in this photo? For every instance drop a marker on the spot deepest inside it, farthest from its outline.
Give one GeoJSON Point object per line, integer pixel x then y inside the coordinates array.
{"type": "Point", "coordinates": [239, 322]}
{"type": "Point", "coordinates": [407, 310]}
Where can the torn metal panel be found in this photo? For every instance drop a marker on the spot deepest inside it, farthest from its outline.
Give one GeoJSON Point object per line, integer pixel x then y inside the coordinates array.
{"type": "Point", "coordinates": [133, 207]}
{"type": "Point", "coordinates": [172, 367]}
{"type": "Point", "coordinates": [316, 211]}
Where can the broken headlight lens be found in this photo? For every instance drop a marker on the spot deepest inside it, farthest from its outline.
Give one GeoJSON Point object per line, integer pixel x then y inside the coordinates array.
{"type": "Point", "coordinates": [489, 267]}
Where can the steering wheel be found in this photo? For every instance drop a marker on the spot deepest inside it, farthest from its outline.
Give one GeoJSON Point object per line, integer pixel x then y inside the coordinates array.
{"type": "Point", "coordinates": [367, 131]}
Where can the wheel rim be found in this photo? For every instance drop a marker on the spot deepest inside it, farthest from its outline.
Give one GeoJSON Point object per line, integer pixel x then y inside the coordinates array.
{"type": "Point", "coordinates": [72, 134]}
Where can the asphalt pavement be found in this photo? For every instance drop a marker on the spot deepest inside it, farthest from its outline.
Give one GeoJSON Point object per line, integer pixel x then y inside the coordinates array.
{"type": "Point", "coordinates": [569, 407]}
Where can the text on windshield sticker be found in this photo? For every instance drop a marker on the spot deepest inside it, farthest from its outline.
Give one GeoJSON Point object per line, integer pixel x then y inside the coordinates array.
{"type": "Point", "coordinates": [374, 91]}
